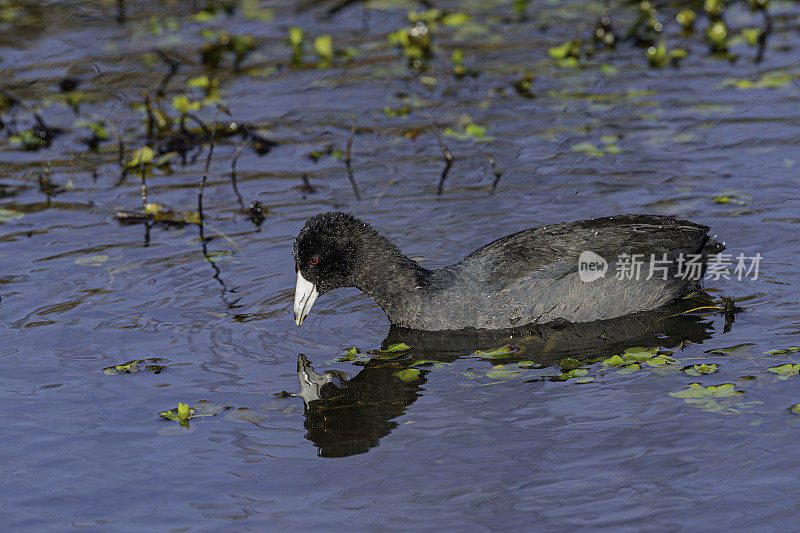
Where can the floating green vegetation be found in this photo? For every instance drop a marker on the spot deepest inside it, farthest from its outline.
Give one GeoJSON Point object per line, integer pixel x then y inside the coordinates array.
{"type": "Point", "coordinates": [783, 351]}
{"type": "Point", "coordinates": [141, 157]}
{"type": "Point", "coordinates": [686, 18]}
{"type": "Point", "coordinates": [408, 374]}
{"type": "Point", "coordinates": [728, 199]}
{"type": "Point", "coordinates": [698, 391]}
{"type": "Point", "coordinates": [630, 361]}
{"type": "Point", "coordinates": [180, 414]}
{"type": "Point", "coordinates": [714, 398]}
{"type": "Point", "coordinates": [578, 374]}
{"type": "Point", "coordinates": [153, 212]}
{"type": "Point", "coordinates": [297, 42]}
{"type": "Point", "coordinates": [392, 349]}
{"type": "Point", "coordinates": [496, 353]}
{"type": "Point", "coordinates": [224, 44]}
{"type": "Point", "coordinates": [785, 371]}
{"type": "Point", "coordinates": [701, 369]}
{"type": "Point", "coordinates": [9, 215]}
{"type": "Point", "coordinates": [31, 140]}
{"type": "Point", "coordinates": [415, 42]}
{"type": "Point", "coordinates": [729, 350]}
{"type": "Point", "coordinates": [96, 260]}
{"type": "Point", "coordinates": [152, 364]}
{"type": "Point", "coordinates": [184, 105]}
{"type": "Point", "coordinates": [769, 80]}
{"type": "Point", "coordinates": [658, 56]}
{"type": "Point", "coordinates": [524, 86]}
{"type": "Point", "coordinates": [201, 409]}
{"type": "Point", "coordinates": [567, 55]}
{"type": "Point", "coordinates": [323, 45]}
{"type": "Point", "coordinates": [752, 35]}
{"type": "Point", "coordinates": [468, 131]}
{"type": "Point", "coordinates": [568, 363]}
{"type": "Point", "coordinates": [717, 36]}
{"type": "Point", "coordinates": [502, 372]}
{"type": "Point", "coordinates": [795, 409]}
{"type": "Point", "coordinates": [329, 151]}
{"type": "Point", "coordinates": [401, 112]}
{"type": "Point", "coordinates": [609, 146]}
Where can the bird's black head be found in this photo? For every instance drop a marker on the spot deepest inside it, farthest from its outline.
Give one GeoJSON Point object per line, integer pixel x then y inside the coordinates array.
{"type": "Point", "coordinates": [325, 255]}
{"type": "Point", "coordinates": [325, 249]}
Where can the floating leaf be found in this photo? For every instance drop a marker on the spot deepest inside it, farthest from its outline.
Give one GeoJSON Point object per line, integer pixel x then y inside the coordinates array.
{"type": "Point", "coordinates": [455, 19]}
{"type": "Point", "coordinates": [201, 82]}
{"type": "Point", "coordinates": [324, 48]}
{"type": "Point", "coordinates": [739, 348]}
{"type": "Point", "coordinates": [574, 373]}
{"type": "Point", "coordinates": [529, 364]}
{"type": "Point", "coordinates": [568, 363]}
{"type": "Point", "coordinates": [785, 371]}
{"type": "Point", "coordinates": [409, 374]}
{"type": "Point", "coordinates": [728, 199]}
{"type": "Point", "coordinates": [795, 409]}
{"type": "Point", "coordinates": [696, 390]}
{"type": "Point", "coordinates": [501, 372]}
{"type": "Point", "coordinates": [152, 364]}
{"type": "Point", "coordinates": [614, 360]}
{"type": "Point", "coordinates": [183, 105]}
{"type": "Point", "coordinates": [8, 215]}
{"type": "Point", "coordinates": [661, 360]}
{"type": "Point", "coordinates": [496, 353]}
{"type": "Point", "coordinates": [703, 368]}
{"type": "Point", "coordinates": [751, 35]}
{"type": "Point", "coordinates": [629, 369]}
{"type": "Point", "coordinates": [784, 351]}
{"type": "Point", "coordinates": [92, 260]}
{"type": "Point", "coordinates": [142, 156]}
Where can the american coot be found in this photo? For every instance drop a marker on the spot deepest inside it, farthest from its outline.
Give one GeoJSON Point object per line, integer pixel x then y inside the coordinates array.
{"type": "Point", "coordinates": [529, 277]}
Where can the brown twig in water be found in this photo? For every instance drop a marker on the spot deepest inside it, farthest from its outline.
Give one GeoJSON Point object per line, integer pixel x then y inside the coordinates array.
{"type": "Point", "coordinates": [762, 38]}
{"type": "Point", "coordinates": [173, 64]}
{"type": "Point", "coordinates": [151, 121]}
{"type": "Point", "coordinates": [204, 177]}
{"type": "Point", "coordinates": [236, 155]}
{"type": "Point", "coordinates": [197, 120]}
{"type": "Point", "coordinates": [347, 160]}
{"type": "Point", "coordinates": [120, 11]}
{"type": "Point", "coordinates": [448, 158]}
{"type": "Point", "coordinates": [497, 172]}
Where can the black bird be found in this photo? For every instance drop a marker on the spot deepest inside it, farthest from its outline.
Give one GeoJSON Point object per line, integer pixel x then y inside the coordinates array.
{"type": "Point", "coordinates": [529, 277]}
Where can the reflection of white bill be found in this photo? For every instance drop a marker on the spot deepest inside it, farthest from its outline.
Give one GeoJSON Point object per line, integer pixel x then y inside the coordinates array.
{"type": "Point", "coordinates": [591, 266]}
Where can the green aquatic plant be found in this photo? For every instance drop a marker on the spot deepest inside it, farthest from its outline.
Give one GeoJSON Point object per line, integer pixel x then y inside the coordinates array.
{"type": "Point", "coordinates": [296, 41]}
{"type": "Point", "coordinates": [701, 369]}
{"type": "Point", "coordinates": [9, 215]}
{"type": "Point", "coordinates": [496, 353]}
{"type": "Point", "coordinates": [658, 56]}
{"type": "Point", "coordinates": [392, 349]}
{"type": "Point", "coordinates": [152, 364]}
{"type": "Point", "coordinates": [783, 351]}
{"type": "Point", "coordinates": [686, 18]}
{"type": "Point", "coordinates": [769, 80]}
{"type": "Point", "coordinates": [785, 371]}
{"type": "Point", "coordinates": [323, 45]}
{"type": "Point", "coordinates": [502, 372]}
{"type": "Point", "coordinates": [408, 374]}
{"type": "Point", "coordinates": [717, 36]}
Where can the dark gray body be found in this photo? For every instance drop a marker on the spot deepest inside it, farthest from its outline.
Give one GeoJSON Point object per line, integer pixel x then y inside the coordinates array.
{"type": "Point", "coordinates": [530, 277]}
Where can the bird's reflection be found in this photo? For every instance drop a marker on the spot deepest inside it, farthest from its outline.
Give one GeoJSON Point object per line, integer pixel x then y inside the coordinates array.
{"type": "Point", "coordinates": [346, 417]}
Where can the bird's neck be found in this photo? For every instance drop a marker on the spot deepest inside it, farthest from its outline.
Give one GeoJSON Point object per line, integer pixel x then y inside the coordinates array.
{"type": "Point", "coordinates": [390, 278]}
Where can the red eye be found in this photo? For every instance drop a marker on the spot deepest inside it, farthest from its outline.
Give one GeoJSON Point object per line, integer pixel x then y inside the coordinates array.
{"type": "Point", "coordinates": [314, 260]}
